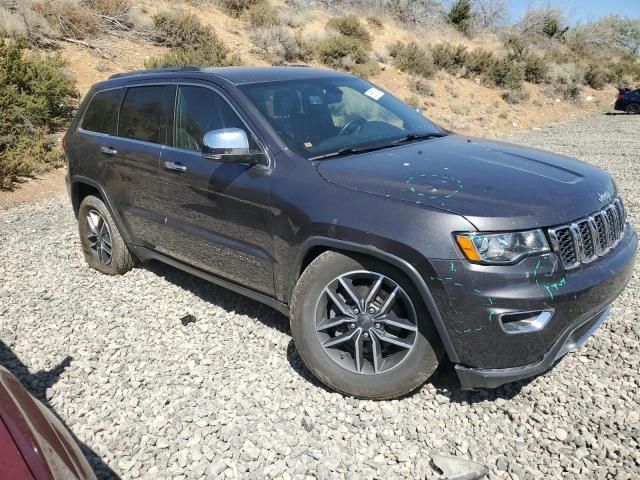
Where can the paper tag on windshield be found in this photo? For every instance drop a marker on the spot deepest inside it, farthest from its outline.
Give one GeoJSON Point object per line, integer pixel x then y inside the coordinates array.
{"type": "Point", "coordinates": [374, 93]}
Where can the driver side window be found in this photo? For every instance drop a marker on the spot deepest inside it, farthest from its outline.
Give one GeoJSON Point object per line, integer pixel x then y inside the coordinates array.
{"type": "Point", "coordinates": [200, 110]}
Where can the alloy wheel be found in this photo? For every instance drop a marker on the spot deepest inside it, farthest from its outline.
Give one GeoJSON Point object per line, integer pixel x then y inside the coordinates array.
{"type": "Point", "coordinates": [99, 236]}
{"type": "Point", "coordinates": [366, 322]}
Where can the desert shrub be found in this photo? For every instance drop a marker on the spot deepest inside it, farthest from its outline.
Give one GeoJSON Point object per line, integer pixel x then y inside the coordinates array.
{"type": "Point", "coordinates": [180, 30]}
{"type": "Point", "coordinates": [139, 21]}
{"type": "Point", "coordinates": [264, 15]}
{"type": "Point", "coordinates": [111, 8]}
{"type": "Point", "coordinates": [350, 26]}
{"type": "Point", "coordinates": [409, 12]}
{"type": "Point", "coordinates": [547, 21]}
{"type": "Point", "coordinates": [506, 74]}
{"type": "Point", "coordinates": [567, 91]}
{"type": "Point", "coordinates": [479, 62]}
{"type": "Point", "coordinates": [460, 15]}
{"type": "Point", "coordinates": [28, 154]}
{"type": "Point", "coordinates": [278, 45]}
{"type": "Point", "coordinates": [238, 7]}
{"type": "Point", "coordinates": [412, 101]}
{"type": "Point", "coordinates": [375, 22]}
{"type": "Point", "coordinates": [36, 98]}
{"type": "Point", "coordinates": [517, 46]}
{"type": "Point", "coordinates": [411, 58]}
{"type": "Point", "coordinates": [421, 87]}
{"type": "Point", "coordinates": [596, 77]}
{"type": "Point", "coordinates": [338, 50]}
{"type": "Point", "coordinates": [211, 54]}
{"type": "Point", "coordinates": [194, 44]}
{"type": "Point", "coordinates": [536, 68]}
{"type": "Point", "coordinates": [515, 96]}
{"type": "Point", "coordinates": [567, 73]}
{"type": "Point", "coordinates": [71, 19]}
{"type": "Point", "coordinates": [450, 58]}
{"type": "Point", "coordinates": [612, 33]}
{"type": "Point", "coordinates": [624, 70]}
{"type": "Point", "coordinates": [292, 18]}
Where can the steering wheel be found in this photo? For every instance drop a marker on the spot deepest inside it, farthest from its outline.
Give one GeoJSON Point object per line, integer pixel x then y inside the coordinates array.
{"type": "Point", "coordinates": [352, 126]}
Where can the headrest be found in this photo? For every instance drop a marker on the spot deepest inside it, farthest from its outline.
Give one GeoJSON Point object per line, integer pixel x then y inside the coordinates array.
{"type": "Point", "coordinates": [285, 103]}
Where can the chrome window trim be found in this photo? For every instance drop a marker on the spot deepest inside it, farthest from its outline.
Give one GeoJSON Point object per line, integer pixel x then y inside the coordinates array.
{"type": "Point", "coordinates": [177, 83]}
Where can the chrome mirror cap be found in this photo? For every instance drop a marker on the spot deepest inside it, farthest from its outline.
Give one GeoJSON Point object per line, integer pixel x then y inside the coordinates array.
{"type": "Point", "coordinates": [225, 141]}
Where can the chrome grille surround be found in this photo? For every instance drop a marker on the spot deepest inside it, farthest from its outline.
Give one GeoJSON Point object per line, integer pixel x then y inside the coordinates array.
{"type": "Point", "coordinates": [586, 239]}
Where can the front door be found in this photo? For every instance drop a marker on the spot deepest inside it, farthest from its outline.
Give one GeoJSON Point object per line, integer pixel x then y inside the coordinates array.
{"type": "Point", "coordinates": [217, 214]}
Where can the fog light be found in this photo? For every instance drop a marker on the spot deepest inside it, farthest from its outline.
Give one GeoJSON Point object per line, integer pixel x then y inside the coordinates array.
{"type": "Point", "coordinates": [524, 322]}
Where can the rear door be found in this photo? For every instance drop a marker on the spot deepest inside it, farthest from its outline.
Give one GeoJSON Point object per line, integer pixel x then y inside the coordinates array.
{"type": "Point", "coordinates": [136, 162]}
{"type": "Point", "coordinates": [133, 157]}
{"type": "Point", "coordinates": [218, 214]}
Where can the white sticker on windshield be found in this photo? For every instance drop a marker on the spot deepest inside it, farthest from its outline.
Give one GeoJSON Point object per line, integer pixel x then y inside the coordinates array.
{"type": "Point", "coordinates": [374, 93]}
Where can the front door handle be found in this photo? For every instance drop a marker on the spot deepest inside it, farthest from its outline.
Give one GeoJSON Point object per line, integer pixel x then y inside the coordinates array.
{"type": "Point", "coordinates": [108, 150]}
{"type": "Point", "coordinates": [176, 167]}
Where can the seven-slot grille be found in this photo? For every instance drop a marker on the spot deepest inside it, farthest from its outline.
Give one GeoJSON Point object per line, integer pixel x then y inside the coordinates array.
{"type": "Point", "coordinates": [591, 237]}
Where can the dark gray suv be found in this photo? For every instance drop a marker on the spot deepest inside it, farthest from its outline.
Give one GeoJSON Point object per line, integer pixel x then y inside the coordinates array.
{"type": "Point", "coordinates": [388, 241]}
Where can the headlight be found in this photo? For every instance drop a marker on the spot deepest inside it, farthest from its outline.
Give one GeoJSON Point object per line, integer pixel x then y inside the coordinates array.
{"type": "Point", "coordinates": [501, 247]}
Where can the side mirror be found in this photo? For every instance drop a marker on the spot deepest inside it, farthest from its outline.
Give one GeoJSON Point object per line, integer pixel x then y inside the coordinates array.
{"type": "Point", "coordinates": [228, 145]}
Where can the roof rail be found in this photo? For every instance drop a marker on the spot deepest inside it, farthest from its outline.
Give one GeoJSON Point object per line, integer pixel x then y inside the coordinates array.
{"type": "Point", "coordinates": [189, 68]}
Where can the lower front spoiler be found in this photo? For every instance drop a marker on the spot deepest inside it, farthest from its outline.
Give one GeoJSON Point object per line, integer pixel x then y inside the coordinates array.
{"type": "Point", "coordinates": [573, 338]}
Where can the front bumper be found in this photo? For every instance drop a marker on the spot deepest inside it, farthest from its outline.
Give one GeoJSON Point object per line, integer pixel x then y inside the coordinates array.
{"type": "Point", "coordinates": [573, 338]}
{"type": "Point", "coordinates": [472, 300]}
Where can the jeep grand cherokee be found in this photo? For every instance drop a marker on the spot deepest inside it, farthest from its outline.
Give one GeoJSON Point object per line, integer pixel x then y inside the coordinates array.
{"type": "Point", "coordinates": [390, 243]}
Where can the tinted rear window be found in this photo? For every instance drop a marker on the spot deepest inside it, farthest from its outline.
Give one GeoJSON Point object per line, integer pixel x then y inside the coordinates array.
{"type": "Point", "coordinates": [102, 113]}
{"type": "Point", "coordinates": [141, 114]}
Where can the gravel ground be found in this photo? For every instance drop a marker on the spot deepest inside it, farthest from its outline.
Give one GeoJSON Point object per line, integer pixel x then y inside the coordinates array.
{"type": "Point", "coordinates": [227, 396]}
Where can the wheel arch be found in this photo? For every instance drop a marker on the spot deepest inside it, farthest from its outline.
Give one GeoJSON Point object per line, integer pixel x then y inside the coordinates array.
{"type": "Point", "coordinates": [315, 246]}
{"type": "Point", "coordinates": [80, 187]}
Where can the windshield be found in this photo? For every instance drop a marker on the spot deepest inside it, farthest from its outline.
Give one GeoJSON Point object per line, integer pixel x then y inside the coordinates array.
{"type": "Point", "coordinates": [324, 117]}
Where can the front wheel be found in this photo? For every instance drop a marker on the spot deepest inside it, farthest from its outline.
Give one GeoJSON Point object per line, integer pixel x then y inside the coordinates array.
{"type": "Point", "coordinates": [633, 108]}
{"type": "Point", "coordinates": [361, 327]}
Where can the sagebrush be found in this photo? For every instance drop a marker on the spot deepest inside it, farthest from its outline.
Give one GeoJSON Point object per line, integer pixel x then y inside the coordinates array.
{"type": "Point", "coordinates": [37, 98]}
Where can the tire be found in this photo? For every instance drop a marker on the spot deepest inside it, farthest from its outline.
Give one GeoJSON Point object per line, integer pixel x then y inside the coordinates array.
{"type": "Point", "coordinates": [398, 373]}
{"type": "Point", "coordinates": [633, 108]}
{"type": "Point", "coordinates": [97, 230]}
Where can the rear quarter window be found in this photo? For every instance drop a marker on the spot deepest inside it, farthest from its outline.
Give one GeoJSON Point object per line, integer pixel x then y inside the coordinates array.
{"type": "Point", "coordinates": [141, 113]}
{"type": "Point", "coordinates": [101, 115]}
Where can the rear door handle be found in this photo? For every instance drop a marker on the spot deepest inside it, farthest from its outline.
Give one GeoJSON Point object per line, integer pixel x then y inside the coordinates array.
{"type": "Point", "coordinates": [108, 150]}
{"type": "Point", "coordinates": [176, 167]}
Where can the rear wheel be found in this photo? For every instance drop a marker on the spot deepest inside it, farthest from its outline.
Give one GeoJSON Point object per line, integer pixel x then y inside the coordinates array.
{"type": "Point", "coordinates": [361, 327]}
{"type": "Point", "coordinates": [633, 108]}
{"type": "Point", "coordinates": [103, 247]}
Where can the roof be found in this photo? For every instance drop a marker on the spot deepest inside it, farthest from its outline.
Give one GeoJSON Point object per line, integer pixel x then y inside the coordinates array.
{"type": "Point", "coordinates": [242, 75]}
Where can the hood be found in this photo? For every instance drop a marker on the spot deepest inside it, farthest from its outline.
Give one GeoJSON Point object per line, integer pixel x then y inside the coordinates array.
{"type": "Point", "coordinates": [494, 185]}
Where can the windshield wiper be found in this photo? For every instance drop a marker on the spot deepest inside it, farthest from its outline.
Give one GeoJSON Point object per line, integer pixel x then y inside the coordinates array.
{"type": "Point", "coordinates": [418, 136]}
{"type": "Point", "coordinates": [354, 150]}
{"type": "Point", "coordinates": [351, 151]}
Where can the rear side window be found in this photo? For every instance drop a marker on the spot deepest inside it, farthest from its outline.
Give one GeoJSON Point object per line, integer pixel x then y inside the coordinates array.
{"type": "Point", "coordinates": [101, 115]}
{"type": "Point", "coordinates": [141, 114]}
